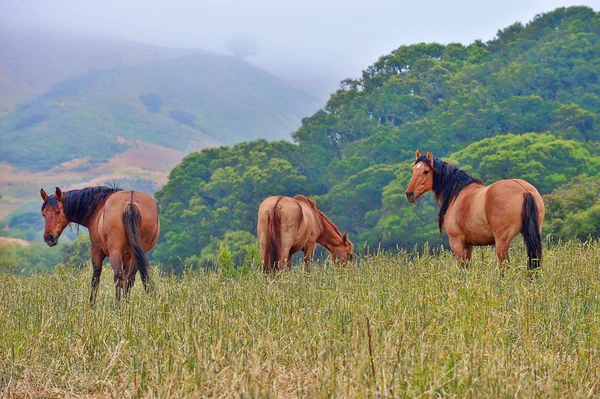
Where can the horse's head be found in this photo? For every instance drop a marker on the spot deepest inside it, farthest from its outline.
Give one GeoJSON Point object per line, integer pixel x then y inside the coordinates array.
{"type": "Point", "coordinates": [343, 252]}
{"type": "Point", "coordinates": [422, 177]}
{"type": "Point", "coordinates": [54, 215]}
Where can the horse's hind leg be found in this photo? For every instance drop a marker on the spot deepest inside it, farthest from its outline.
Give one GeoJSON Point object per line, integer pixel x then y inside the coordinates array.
{"type": "Point", "coordinates": [265, 256]}
{"type": "Point", "coordinates": [117, 265]}
{"type": "Point", "coordinates": [130, 278]}
{"type": "Point", "coordinates": [285, 258]}
{"type": "Point", "coordinates": [502, 246]}
{"type": "Point", "coordinates": [97, 259]}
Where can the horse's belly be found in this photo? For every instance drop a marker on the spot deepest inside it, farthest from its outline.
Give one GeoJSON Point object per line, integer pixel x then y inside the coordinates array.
{"type": "Point", "coordinates": [477, 232]}
{"type": "Point", "coordinates": [480, 241]}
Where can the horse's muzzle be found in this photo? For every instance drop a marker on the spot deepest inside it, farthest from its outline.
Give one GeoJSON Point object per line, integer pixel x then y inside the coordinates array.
{"type": "Point", "coordinates": [410, 196]}
{"type": "Point", "coordinates": [51, 240]}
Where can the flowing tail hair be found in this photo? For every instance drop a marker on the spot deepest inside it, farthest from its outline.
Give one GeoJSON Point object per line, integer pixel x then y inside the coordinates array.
{"type": "Point", "coordinates": [132, 220]}
{"type": "Point", "coordinates": [531, 232]}
{"type": "Point", "coordinates": [274, 239]}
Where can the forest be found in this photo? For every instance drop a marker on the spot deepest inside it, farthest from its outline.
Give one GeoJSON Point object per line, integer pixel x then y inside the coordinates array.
{"type": "Point", "coordinates": [523, 105]}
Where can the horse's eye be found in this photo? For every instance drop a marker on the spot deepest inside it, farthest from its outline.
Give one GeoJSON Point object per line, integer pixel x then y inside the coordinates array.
{"type": "Point", "coordinates": [426, 172]}
{"type": "Point", "coordinates": [58, 212]}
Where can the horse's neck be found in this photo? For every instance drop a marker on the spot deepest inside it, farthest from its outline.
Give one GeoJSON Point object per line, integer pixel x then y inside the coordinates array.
{"type": "Point", "coordinates": [84, 221]}
{"type": "Point", "coordinates": [474, 186]}
{"type": "Point", "coordinates": [329, 237]}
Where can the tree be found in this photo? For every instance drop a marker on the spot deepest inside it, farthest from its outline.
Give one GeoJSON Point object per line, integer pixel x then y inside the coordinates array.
{"type": "Point", "coordinates": [77, 253]}
{"type": "Point", "coordinates": [573, 209]}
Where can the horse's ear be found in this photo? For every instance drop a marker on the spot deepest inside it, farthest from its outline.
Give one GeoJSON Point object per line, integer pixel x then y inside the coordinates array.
{"type": "Point", "coordinates": [58, 194]}
{"type": "Point", "coordinates": [345, 238]}
{"type": "Point", "coordinates": [430, 156]}
{"type": "Point", "coordinates": [418, 154]}
{"type": "Point", "coordinates": [43, 194]}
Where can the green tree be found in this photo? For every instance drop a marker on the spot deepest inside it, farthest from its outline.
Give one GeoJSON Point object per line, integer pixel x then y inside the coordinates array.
{"type": "Point", "coordinates": [573, 209]}
{"type": "Point", "coordinates": [77, 253]}
{"type": "Point", "coordinates": [544, 160]}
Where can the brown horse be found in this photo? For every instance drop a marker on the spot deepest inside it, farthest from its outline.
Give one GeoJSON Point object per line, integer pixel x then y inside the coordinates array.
{"type": "Point", "coordinates": [288, 225]}
{"type": "Point", "coordinates": [123, 225]}
{"type": "Point", "coordinates": [476, 215]}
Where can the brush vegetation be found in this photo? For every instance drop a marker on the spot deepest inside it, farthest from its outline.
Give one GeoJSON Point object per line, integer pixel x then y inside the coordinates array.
{"type": "Point", "coordinates": [403, 325]}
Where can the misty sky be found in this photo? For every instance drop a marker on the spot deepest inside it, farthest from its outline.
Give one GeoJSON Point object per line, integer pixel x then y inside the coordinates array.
{"type": "Point", "coordinates": [327, 39]}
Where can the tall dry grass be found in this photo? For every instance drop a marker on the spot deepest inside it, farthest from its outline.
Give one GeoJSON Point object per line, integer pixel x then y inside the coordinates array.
{"type": "Point", "coordinates": [397, 326]}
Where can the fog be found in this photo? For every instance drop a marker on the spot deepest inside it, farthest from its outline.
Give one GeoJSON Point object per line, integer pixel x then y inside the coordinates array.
{"type": "Point", "coordinates": [310, 43]}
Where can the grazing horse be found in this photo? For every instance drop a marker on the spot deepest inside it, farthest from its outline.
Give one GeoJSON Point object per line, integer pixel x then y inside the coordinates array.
{"type": "Point", "coordinates": [123, 225]}
{"type": "Point", "coordinates": [476, 215]}
{"type": "Point", "coordinates": [288, 225]}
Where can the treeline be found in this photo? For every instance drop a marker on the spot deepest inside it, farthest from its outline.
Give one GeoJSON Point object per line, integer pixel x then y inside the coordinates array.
{"type": "Point", "coordinates": [525, 105]}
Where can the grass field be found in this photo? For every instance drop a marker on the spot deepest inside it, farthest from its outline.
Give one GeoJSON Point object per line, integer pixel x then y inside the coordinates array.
{"type": "Point", "coordinates": [396, 326]}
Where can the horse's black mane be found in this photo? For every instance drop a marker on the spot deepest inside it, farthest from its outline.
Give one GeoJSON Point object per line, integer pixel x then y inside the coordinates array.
{"type": "Point", "coordinates": [80, 204]}
{"type": "Point", "coordinates": [449, 181]}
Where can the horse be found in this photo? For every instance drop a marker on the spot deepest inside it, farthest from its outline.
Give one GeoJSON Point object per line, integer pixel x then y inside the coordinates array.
{"type": "Point", "coordinates": [288, 225]}
{"type": "Point", "coordinates": [123, 225]}
{"type": "Point", "coordinates": [477, 215]}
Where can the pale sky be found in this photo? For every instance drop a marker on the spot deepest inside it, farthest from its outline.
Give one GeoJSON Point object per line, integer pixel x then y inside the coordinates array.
{"type": "Point", "coordinates": [331, 39]}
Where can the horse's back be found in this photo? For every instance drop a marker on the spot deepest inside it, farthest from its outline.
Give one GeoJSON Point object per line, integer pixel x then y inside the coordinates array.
{"type": "Point", "coordinates": [294, 220]}
{"type": "Point", "coordinates": [289, 210]}
{"type": "Point", "coordinates": [115, 206]}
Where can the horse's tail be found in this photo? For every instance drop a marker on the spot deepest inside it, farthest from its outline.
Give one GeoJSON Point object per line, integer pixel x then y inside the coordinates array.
{"type": "Point", "coordinates": [531, 232]}
{"type": "Point", "coordinates": [132, 219]}
{"type": "Point", "coordinates": [274, 236]}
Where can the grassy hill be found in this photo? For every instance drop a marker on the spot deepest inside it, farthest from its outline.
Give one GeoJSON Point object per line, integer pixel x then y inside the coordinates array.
{"type": "Point", "coordinates": [184, 103]}
{"type": "Point", "coordinates": [80, 110]}
{"type": "Point", "coordinates": [397, 326]}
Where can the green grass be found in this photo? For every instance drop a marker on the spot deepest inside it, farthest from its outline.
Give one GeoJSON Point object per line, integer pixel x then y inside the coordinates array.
{"type": "Point", "coordinates": [435, 330]}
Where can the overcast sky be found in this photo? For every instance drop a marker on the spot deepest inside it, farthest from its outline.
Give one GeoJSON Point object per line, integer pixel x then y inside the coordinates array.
{"type": "Point", "coordinates": [330, 39]}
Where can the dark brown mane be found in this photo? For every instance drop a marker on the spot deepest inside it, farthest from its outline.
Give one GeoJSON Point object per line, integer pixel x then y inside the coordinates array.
{"type": "Point", "coordinates": [326, 220]}
{"type": "Point", "coordinates": [80, 204]}
{"type": "Point", "coordinates": [449, 181]}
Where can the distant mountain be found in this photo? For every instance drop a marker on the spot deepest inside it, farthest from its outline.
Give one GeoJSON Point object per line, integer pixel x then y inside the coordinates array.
{"type": "Point", "coordinates": [184, 103]}
{"type": "Point", "coordinates": [31, 62]}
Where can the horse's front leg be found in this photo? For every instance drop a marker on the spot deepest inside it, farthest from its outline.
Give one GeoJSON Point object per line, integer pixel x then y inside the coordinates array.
{"type": "Point", "coordinates": [461, 250]}
{"type": "Point", "coordinates": [308, 250]}
{"type": "Point", "coordinates": [98, 257]}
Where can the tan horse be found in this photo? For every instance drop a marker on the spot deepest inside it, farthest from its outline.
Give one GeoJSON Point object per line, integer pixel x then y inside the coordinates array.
{"type": "Point", "coordinates": [476, 215]}
{"type": "Point", "coordinates": [288, 225]}
{"type": "Point", "coordinates": [123, 225]}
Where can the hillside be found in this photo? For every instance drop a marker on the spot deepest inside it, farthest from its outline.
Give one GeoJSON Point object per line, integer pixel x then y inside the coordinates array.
{"type": "Point", "coordinates": [31, 62]}
{"type": "Point", "coordinates": [90, 109]}
{"type": "Point", "coordinates": [185, 103]}
{"type": "Point", "coordinates": [525, 104]}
